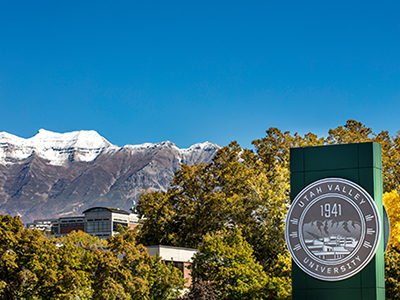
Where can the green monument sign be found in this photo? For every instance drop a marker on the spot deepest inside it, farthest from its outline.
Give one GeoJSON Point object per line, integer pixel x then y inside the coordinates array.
{"type": "Point", "coordinates": [333, 228]}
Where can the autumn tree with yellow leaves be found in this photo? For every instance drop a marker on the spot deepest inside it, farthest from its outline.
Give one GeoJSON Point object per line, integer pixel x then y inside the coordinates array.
{"type": "Point", "coordinates": [391, 200]}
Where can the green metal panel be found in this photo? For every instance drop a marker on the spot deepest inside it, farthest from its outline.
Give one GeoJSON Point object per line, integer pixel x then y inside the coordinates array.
{"type": "Point", "coordinates": [362, 164]}
{"type": "Point", "coordinates": [297, 183]}
{"type": "Point", "coordinates": [368, 151]}
{"type": "Point", "coordinates": [301, 278]}
{"type": "Point", "coordinates": [312, 176]}
{"type": "Point", "coordinates": [296, 160]}
{"type": "Point", "coordinates": [333, 294]}
{"type": "Point", "coordinates": [339, 157]}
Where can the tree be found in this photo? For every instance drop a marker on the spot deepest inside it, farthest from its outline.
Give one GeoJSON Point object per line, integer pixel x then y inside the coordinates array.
{"type": "Point", "coordinates": [232, 191]}
{"type": "Point", "coordinates": [79, 266]}
{"type": "Point", "coordinates": [29, 266]}
{"type": "Point", "coordinates": [127, 271]}
{"type": "Point", "coordinates": [226, 260]}
{"type": "Point", "coordinates": [165, 281]}
{"type": "Point", "coordinates": [200, 290]}
{"type": "Point", "coordinates": [157, 209]}
{"type": "Point", "coordinates": [392, 274]}
{"type": "Point", "coordinates": [75, 259]}
{"type": "Point", "coordinates": [391, 201]}
{"type": "Point", "coordinates": [33, 267]}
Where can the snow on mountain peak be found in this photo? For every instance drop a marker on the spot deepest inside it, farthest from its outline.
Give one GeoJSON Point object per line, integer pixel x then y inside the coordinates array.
{"type": "Point", "coordinates": [84, 145]}
{"type": "Point", "coordinates": [60, 147]}
{"type": "Point", "coordinates": [77, 139]}
{"type": "Point", "coordinates": [55, 147]}
{"type": "Point", "coordinates": [5, 136]}
{"type": "Point", "coordinates": [201, 146]}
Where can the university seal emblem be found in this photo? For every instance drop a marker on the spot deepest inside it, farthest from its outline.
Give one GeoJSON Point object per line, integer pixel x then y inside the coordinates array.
{"type": "Point", "coordinates": [332, 229]}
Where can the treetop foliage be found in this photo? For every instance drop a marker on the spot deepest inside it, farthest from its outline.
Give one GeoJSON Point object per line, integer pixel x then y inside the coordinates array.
{"type": "Point", "coordinates": [391, 200]}
{"type": "Point", "coordinates": [226, 260]}
{"type": "Point", "coordinates": [248, 190]}
{"type": "Point", "coordinates": [80, 266]}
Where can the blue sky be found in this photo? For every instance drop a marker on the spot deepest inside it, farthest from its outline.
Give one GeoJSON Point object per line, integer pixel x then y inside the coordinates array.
{"type": "Point", "coordinates": [195, 71]}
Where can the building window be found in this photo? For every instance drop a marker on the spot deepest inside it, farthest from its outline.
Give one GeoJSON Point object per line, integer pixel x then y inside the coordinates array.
{"type": "Point", "coordinates": [98, 209]}
{"type": "Point", "coordinates": [98, 227]}
{"type": "Point", "coordinates": [115, 225]}
{"type": "Point", "coordinates": [54, 229]}
{"type": "Point", "coordinates": [75, 224]}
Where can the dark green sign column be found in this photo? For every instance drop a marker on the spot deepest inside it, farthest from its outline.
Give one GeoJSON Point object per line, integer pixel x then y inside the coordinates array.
{"type": "Point", "coordinates": [362, 164]}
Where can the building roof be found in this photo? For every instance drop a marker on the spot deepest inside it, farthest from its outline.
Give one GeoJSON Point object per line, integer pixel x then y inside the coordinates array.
{"type": "Point", "coordinates": [111, 209]}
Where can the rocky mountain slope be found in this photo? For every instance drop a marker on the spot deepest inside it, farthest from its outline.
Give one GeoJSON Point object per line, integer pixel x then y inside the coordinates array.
{"type": "Point", "coordinates": [54, 174]}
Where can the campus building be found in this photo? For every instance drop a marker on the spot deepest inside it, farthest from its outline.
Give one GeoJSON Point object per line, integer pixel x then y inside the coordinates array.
{"type": "Point", "coordinates": [99, 221]}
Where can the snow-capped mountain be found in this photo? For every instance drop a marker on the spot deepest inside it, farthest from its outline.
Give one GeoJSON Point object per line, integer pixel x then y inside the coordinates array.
{"type": "Point", "coordinates": [55, 174]}
{"type": "Point", "coordinates": [57, 148]}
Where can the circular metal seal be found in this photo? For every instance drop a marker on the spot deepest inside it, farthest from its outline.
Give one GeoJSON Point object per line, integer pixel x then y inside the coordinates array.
{"type": "Point", "coordinates": [332, 229]}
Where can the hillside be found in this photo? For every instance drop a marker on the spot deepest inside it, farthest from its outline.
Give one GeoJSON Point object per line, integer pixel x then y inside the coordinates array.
{"type": "Point", "coordinates": [61, 174]}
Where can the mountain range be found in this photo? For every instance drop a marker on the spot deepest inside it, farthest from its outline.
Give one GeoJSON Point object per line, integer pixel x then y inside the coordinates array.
{"type": "Point", "coordinates": [61, 174]}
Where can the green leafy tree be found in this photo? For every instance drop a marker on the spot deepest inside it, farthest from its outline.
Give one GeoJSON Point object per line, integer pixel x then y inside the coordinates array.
{"type": "Point", "coordinates": [79, 266]}
{"type": "Point", "coordinates": [75, 263]}
{"type": "Point", "coordinates": [111, 280]}
{"type": "Point", "coordinates": [157, 209]}
{"type": "Point", "coordinates": [227, 261]}
{"type": "Point", "coordinates": [29, 264]}
{"type": "Point", "coordinates": [231, 191]}
{"type": "Point", "coordinates": [34, 267]}
{"type": "Point", "coordinates": [165, 281]}
{"type": "Point", "coordinates": [83, 240]}
{"type": "Point", "coordinates": [127, 271]}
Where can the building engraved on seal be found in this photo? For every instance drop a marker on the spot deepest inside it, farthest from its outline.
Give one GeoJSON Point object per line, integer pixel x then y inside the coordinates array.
{"type": "Point", "coordinates": [332, 229]}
